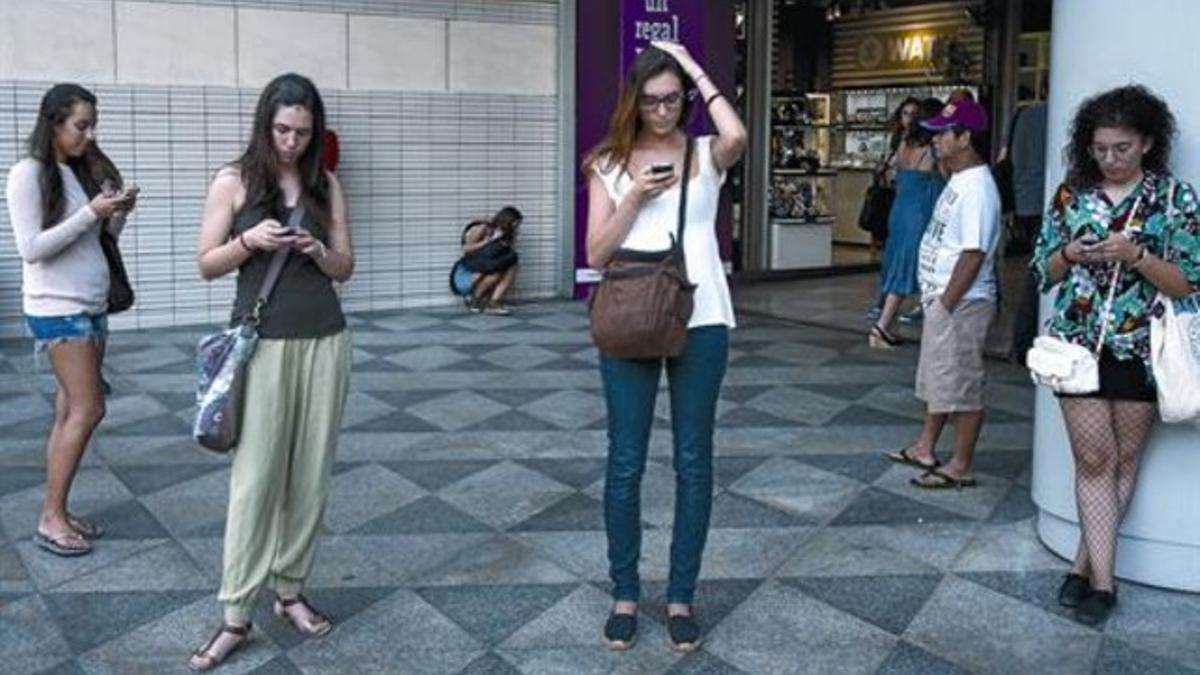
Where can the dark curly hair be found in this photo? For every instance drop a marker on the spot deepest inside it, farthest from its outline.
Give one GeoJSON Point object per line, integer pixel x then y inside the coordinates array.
{"type": "Point", "coordinates": [918, 135]}
{"type": "Point", "coordinates": [1131, 107]}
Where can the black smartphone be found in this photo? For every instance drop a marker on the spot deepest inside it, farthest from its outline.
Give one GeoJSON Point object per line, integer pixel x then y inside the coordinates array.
{"type": "Point", "coordinates": [660, 168]}
{"type": "Point", "coordinates": [130, 193]}
{"type": "Point", "coordinates": [1089, 240]}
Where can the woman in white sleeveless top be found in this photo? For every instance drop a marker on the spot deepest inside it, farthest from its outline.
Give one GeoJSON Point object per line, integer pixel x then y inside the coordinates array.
{"type": "Point", "coordinates": [632, 207]}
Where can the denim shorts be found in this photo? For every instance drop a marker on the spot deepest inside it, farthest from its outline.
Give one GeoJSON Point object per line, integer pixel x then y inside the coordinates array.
{"type": "Point", "coordinates": [51, 330]}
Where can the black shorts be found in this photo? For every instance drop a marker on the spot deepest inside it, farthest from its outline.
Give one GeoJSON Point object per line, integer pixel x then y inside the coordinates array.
{"type": "Point", "coordinates": [1121, 381]}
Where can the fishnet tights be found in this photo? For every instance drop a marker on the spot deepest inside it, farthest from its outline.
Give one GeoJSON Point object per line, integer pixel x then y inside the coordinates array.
{"type": "Point", "coordinates": [1107, 438]}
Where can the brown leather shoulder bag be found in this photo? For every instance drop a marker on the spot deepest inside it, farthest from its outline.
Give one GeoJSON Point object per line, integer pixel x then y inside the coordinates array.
{"type": "Point", "coordinates": [640, 308]}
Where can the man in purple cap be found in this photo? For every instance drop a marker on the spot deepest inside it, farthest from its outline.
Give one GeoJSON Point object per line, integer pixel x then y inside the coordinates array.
{"type": "Point", "coordinates": [958, 291]}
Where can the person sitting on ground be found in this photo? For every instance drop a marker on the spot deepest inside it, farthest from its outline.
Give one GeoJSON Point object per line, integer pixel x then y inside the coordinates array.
{"type": "Point", "coordinates": [488, 266]}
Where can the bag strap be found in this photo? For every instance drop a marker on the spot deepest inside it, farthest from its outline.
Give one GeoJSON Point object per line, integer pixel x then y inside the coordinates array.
{"type": "Point", "coordinates": [275, 268]}
{"type": "Point", "coordinates": [1112, 286]}
{"type": "Point", "coordinates": [677, 245]}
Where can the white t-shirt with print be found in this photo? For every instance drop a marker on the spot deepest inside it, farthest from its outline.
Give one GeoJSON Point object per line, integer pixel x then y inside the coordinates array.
{"type": "Point", "coordinates": [658, 218]}
{"type": "Point", "coordinates": [965, 218]}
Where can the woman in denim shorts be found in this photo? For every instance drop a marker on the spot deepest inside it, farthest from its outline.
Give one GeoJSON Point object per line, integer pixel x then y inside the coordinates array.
{"type": "Point", "coordinates": [65, 287]}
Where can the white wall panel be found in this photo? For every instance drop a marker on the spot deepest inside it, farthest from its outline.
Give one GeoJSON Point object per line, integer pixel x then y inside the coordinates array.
{"type": "Point", "coordinates": [166, 43]}
{"type": "Point", "coordinates": [272, 42]}
{"type": "Point", "coordinates": [503, 58]}
{"type": "Point", "coordinates": [397, 54]}
{"type": "Point", "coordinates": [56, 40]}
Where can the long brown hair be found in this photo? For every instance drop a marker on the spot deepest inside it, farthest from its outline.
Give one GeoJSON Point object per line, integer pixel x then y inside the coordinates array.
{"type": "Point", "coordinates": [259, 165]}
{"type": "Point", "coordinates": [55, 108]}
{"type": "Point", "coordinates": [626, 121]}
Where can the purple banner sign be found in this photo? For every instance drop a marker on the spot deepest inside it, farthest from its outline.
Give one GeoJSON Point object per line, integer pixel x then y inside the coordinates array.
{"type": "Point", "coordinates": [610, 36]}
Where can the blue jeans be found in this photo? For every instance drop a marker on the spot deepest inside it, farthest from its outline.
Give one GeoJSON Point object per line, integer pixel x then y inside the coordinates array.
{"type": "Point", "coordinates": [48, 331]}
{"type": "Point", "coordinates": [630, 387]}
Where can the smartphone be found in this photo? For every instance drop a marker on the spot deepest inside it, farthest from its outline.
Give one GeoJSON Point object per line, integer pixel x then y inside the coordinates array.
{"type": "Point", "coordinates": [1089, 240]}
{"type": "Point", "coordinates": [130, 193]}
{"type": "Point", "coordinates": [660, 168]}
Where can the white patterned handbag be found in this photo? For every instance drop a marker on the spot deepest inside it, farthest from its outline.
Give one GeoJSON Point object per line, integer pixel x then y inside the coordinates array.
{"type": "Point", "coordinates": [1070, 368]}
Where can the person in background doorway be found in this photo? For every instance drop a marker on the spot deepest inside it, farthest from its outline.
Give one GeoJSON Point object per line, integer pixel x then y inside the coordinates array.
{"type": "Point", "coordinates": [64, 285]}
{"type": "Point", "coordinates": [1029, 185]}
{"type": "Point", "coordinates": [1113, 219]}
{"type": "Point", "coordinates": [958, 290]}
{"type": "Point", "coordinates": [899, 124]}
{"type": "Point", "coordinates": [918, 184]}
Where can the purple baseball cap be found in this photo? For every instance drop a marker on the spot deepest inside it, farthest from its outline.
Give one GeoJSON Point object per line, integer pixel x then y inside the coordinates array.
{"type": "Point", "coordinates": [964, 114]}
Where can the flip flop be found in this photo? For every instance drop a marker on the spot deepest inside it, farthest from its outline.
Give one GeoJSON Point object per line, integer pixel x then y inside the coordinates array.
{"type": "Point", "coordinates": [940, 480]}
{"type": "Point", "coordinates": [56, 546]}
{"type": "Point", "coordinates": [86, 528]}
{"type": "Point", "coordinates": [903, 456]}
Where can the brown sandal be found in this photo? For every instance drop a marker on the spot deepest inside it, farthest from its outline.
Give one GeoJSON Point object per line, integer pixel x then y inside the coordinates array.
{"type": "Point", "coordinates": [319, 626]}
{"type": "Point", "coordinates": [207, 659]}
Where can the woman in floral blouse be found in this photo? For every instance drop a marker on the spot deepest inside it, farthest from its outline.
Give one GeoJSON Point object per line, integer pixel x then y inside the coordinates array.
{"type": "Point", "coordinates": [1117, 211]}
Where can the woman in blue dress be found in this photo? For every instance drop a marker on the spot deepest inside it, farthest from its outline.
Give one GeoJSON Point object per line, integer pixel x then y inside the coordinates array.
{"type": "Point", "coordinates": [918, 184]}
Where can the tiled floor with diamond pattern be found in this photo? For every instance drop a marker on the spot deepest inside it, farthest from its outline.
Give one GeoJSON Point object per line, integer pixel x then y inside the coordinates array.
{"type": "Point", "coordinates": [464, 530]}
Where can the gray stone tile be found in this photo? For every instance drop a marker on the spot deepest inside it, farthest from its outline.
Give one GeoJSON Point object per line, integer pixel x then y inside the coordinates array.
{"type": "Point", "coordinates": [1010, 547]}
{"type": "Point", "coordinates": [727, 470]}
{"type": "Point", "coordinates": [88, 620]}
{"type": "Point", "coordinates": [781, 630]}
{"type": "Point", "coordinates": [574, 513]}
{"type": "Point", "coordinates": [125, 410]}
{"type": "Point", "coordinates": [1015, 506]}
{"type": "Point", "coordinates": [804, 491]}
{"type": "Point", "coordinates": [984, 631]}
{"type": "Point", "coordinates": [47, 570]}
{"type": "Point", "coordinates": [146, 360]}
{"type": "Point", "coordinates": [457, 410]}
{"type": "Point", "coordinates": [864, 468]}
{"type": "Point", "coordinates": [887, 601]}
{"type": "Point", "coordinates": [492, 613]}
{"type": "Point", "coordinates": [426, 515]}
{"type": "Point", "coordinates": [164, 644]}
{"type": "Point", "coordinates": [715, 599]}
{"type": "Point", "coordinates": [1038, 587]}
{"type": "Point", "coordinates": [863, 550]}
{"type": "Point", "coordinates": [161, 425]}
{"type": "Point", "coordinates": [576, 472]}
{"type": "Point", "coordinates": [29, 638]}
{"type": "Point", "coordinates": [495, 561]}
{"type": "Point", "coordinates": [435, 475]}
{"type": "Point", "coordinates": [402, 558]}
{"type": "Point", "coordinates": [187, 507]}
{"type": "Point", "coordinates": [20, 478]}
{"type": "Point", "coordinates": [143, 479]}
{"type": "Point", "coordinates": [909, 659]}
{"type": "Point", "coordinates": [875, 507]}
{"type": "Point", "coordinates": [401, 633]}
{"type": "Point", "coordinates": [1158, 621]}
{"type": "Point", "coordinates": [164, 567]}
{"type": "Point", "coordinates": [731, 511]}
{"type": "Point", "coordinates": [427, 358]}
{"type": "Point", "coordinates": [94, 489]}
{"type": "Point", "coordinates": [1119, 658]}
{"type": "Point", "coordinates": [741, 554]}
{"type": "Point", "coordinates": [566, 638]}
{"type": "Point", "coordinates": [339, 604]}
{"type": "Point", "coordinates": [567, 409]}
{"type": "Point", "coordinates": [394, 422]}
{"type": "Point", "coordinates": [975, 502]}
{"type": "Point", "coordinates": [520, 357]}
{"type": "Point", "coordinates": [13, 577]}
{"type": "Point", "coordinates": [361, 495]}
{"type": "Point", "coordinates": [24, 407]}
{"type": "Point", "coordinates": [505, 494]}
{"type": "Point", "coordinates": [798, 405]}
{"type": "Point", "coordinates": [361, 408]}
{"type": "Point", "coordinates": [703, 663]}
{"type": "Point", "coordinates": [280, 665]}
{"type": "Point", "coordinates": [860, 415]}
{"type": "Point", "coordinates": [489, 664]}
{"type": "Point", "coordinates": [584, 554]}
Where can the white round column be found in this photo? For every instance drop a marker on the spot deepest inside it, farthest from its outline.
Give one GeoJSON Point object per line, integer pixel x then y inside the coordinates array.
{"type": "Point", "coordinates": [1097, 45]}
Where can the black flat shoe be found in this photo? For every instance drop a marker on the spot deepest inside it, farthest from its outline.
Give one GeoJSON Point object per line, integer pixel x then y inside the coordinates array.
{"type": "Point", "coordinates": [620, 631]}
{"type": "Point", "coordinates": [1074, 588]}
{"type": "Point", "coordinates": [684, 633]}
{"type": "Point", "coordinates": [1095, 607]}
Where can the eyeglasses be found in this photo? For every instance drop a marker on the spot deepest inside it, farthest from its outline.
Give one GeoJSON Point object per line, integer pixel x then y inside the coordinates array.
{"type": "Point", "coordinates": [1119, 151]}
{"type": "Point", "coordinates": [672, 101]}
